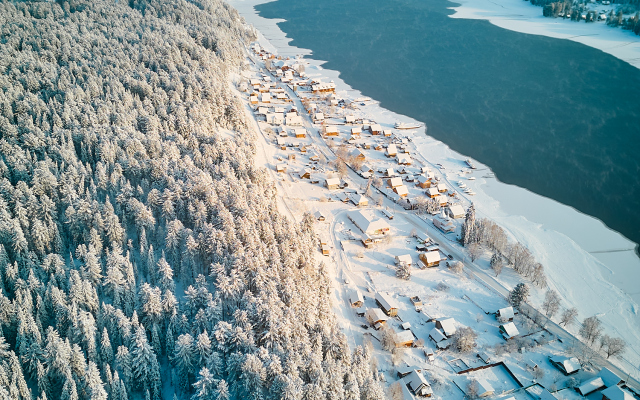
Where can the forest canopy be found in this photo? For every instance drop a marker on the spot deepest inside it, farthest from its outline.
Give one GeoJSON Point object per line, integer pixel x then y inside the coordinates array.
{"type": "Point", "coordinates": [141, 251]}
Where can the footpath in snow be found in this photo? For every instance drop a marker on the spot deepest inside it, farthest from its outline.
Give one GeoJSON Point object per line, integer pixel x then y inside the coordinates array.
{"type": "Point", "coordinates": [575, 248]}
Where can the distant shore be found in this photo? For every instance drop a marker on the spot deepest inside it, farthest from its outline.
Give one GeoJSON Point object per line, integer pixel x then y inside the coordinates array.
{"type": "Point", "coordinates": [522, 16]}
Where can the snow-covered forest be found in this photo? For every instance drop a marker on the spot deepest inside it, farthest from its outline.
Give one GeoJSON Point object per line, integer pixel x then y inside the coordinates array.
{"type": "Point", "coordinates": [142, 255]}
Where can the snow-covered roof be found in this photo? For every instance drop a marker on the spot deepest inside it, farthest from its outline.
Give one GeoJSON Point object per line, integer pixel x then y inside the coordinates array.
{"type": "Point", "coordinates": [484, 388]}
{"type": "Point", "coordinates": [392, 149]}
{"type": "Point", "coordinates": [355, 296]}
{"type": "Point", "coordinates": [367, 223]}
{"type": "Point", "coordinates": [300, 131]}
{"type": "Point", "coordinates": [377, 314]}
{"type": "Point", "coordinates": [456, 209]}
{"type": "Point", "coordinates": [404, 336]}
{"type": "Point", "coordinates": [356, 131]}
{"type": "Point", "coordinates": [591, 385]}
{"type": "Point", "coordinates": [330, 129]}
{"type": "Point", "coordinates": [448, 326]}
{"type": "Point", "coordinates": [416, 381]}
{"type": "Point", "coordinates": [333, 181]}
{"type": "Point", "coordinates": [609, 378]}
{"type": "Point", "coordinates": [403, 158]}
{"type": "Point", "coordinates": [406, 325]}
{"type": "Point", "coordinates": [437, 335]}
{"type": "Point", "coordinates": [402, 190]}
{"type": "Point", "coordinates": [319, 116]}
{"type": "Point", "coordinates": [359, 199]}
{"type": "Point", "coordinates": [432, 191]}
{"type": "Point", "coordinates": [422, 179]}
{"type": "Point", "coordinates": [386, 301]}
{"type": "Point", "coordinates": [441, 187]}
{"type": "Point", "coordinates": [510, 329]}
{"type": "Point", "coordinates": [404, 259]}
{"type": "Point", "coordinates": [357, 153]}
{"type": "Point", "coordinates": [616, 393]}
{"type": "Point", "coordinates": [431, 257]}
{"type": "Point", "coordinates": [375, 128]}
{"type": "Point", "coordinates": [349, 118]}
{"type": "Point", "coordinates": [506, 312]}
{"type": "Point", "coordinates": [397, 181]}
{"type": "Point", "coordinates": [365, 168]}
{"type": "Point", "coordinates": [569, 364]}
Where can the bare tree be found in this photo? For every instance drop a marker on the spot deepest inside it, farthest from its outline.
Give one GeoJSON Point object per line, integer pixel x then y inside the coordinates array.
{"type": "Point", "coordinates": [551, 303]}
{"type": "Point", "coordinates": [388, 341]}
{"type": "Point", "coordinates": [568, 316]}
{"type": "Point", "coordinates": [613, 346]}
{"type": "Point", "coordinates": [380, 201]}
{"type": "Point", "coordinates": [397, 354]}
{"type": "Point", "coordinates": [475, 251]}
{"type": "Point", "coordinates": [394, 392]}
{"type": "Point", "coordinates": [496, 263]}
{"type": "Point", "coordinates": [473, 389]}
{"type": "Point", "coordinates": [464, 339]}
{"type": "Point", "coordinates": [456, 267]}
{"type": "Point", "coordinates": [591, 329]}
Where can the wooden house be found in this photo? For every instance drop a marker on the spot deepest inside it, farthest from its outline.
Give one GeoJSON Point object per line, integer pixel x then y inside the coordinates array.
{"type": "Point", "coordinates": [305, 173]}
{"type": "Point", "coordinates": [423, 182]}
{"type": "Point", "coordinates": [253, 99]}
{"type": "Point", "coordinates": [330, 130]}
{"type": "Point", "coordinates": [432, 192]}
{"type": "Point", "coordinates": [325, 250]}
{"type": "Point", "coordinates": [403, 339]}
{"type": "Point", "coordinates": [387, 132]}
{"type": "Point", "coordinates": [418, 384]}
{"type": "Point", "coordinates": [359, 200]}
{"type": "Point", "coordinates": [430, 259]}
{"type": "Point", "coordinates": [293, 120]}
{"type": "Point", "coordinates": [566, 365]}
{"type": "Point", "coordinates": [404, 259]}
{"type": "Point", "coordinates": [455, 211]}
{"type": "Point", "coordinates": [300, 133]}
{"type": "Point", "coordinates": [318, 117]}
{"type": "Point", "coordinates": [349, 119]}
{"type": "Point", "coordinates": [375, 129]}
{"type": "Point", "coordinates": [403, 159]}
{"type": "Point", "coordinates": [355, 298]}
{"type": "Point", "coordinates": [357, 154]}
{"type": "Point", "coordinates": [356, 131]}
{"type": "Point", "coordinates": [447, 326]}
{"type": "Point", "coordinates": [442, 188]}
{"type": "Point", "coordinates": [508, 330]}
{"type": "Point", "coordinates": [376, 317]}
{"type": "Point", "coordinates": [395, 182]}
{"type": "Point", "coordinates": [368, 223]}
{"type": "Point", "coordinates": [332, 183]}
{"type": "Point", "coordinates": [391, 151]}
{"type": "Point", "coordinates": [265, 98]}
{"type": "Point", "coordinates": [387, 304]}
{"type": "Point", "coordinates": [401, 190]}
{"type": "Point", "coordinates": [505, 314]}
{"type": "Point", "coordinates": [281, 168]}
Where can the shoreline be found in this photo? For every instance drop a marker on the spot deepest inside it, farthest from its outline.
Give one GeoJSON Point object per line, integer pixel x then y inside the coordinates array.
{"type": "Point", "coordinates": [524, 17]}
{"type": "Point", "coordinates": [557, 234]}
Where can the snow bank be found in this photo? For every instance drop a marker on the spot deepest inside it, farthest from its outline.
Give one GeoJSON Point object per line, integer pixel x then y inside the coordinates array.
{"type": "Point", "coordinates": [561, 238]}
{"type": "Point", "coordinates": [522, 16]}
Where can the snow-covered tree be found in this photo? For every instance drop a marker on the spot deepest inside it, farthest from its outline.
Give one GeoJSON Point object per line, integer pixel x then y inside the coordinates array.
{"type": "Point", "coordinates": [519, 294]}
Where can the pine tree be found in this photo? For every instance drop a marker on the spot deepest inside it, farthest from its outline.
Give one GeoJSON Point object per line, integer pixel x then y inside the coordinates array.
{"type": "Point", "coordinates": [519, 294]}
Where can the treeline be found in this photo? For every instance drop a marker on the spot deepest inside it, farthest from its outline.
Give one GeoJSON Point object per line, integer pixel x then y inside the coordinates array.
{"type": "Point", "coordinates": [575, 11]}
{"type": "Point", "coordinates": [141, 251]}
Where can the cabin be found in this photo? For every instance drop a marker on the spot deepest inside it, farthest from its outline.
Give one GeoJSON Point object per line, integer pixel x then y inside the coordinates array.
{"type": "Point", "coordinates": [275, 118]}
{"type": "Point", "coordinates": [325, 250]}
{"type": "Point", "coordinates": [359, 200]}
{"type": "Point", "coordinates": [484, 388]}
{"type": "Point", "coordinates": [566, 365]}
{"type": "Point", "coordinates": [281, 168]}
{"type": "Point", "coordinates": [432, 192]}
{"type": "Point", "coordinates": [376, 317]}
{"type": "Point", "coordinates": [401, 190]}
{"type": "Point", "coordinates": [508, 330]}
{"type": "Point", "coordinates": [368, 223]}
{"type": "Point", "coordinates": [442, 201]}
{"type": "Point", "coordinates": [265, 97]}
{"type": "Point", "coordinates": [404, 339]}
{"type": "Point", "coordinates": [395, 182]}
{"type": "Point", "coordinates": [330, 130]}
{"type": "Point", "coordinates": [357, 131]}
{"type": "Point", "coordinates": [590, 386]}
{"type": "Point", "coordinates": [442, 188]}
{"type": "Point", "coordinates": [318, 117]}
{"type": "Point", "coordinates": [293, 120]}
{"type": "Point", "coordinates": [319, 216]}
{"type": "Point", "coordinates": [406, 370]}
{"type": "Point", "coordinates": [349, 119]}
{"type": "Point", "coordinates": [447, 326]}
{"type": "Point", "coordinates": [403, 159]}
{"type": "Point", "coordinates": [391, 151]}
{"type": "Point", "coordinates": [387, 132]}
{"type": "Point", "coordinates": [429, 259]}
{"type": "Point", "coordinates": [375, 129]}
{"type": "Point", "coordinates": [300, 133]}
{"type": "Point", "coordinates": [357, 154]}
{"type": "Point", "coordinates": [404, 259]}
{"type": "Point", "coordinates": [505, 314]}
{"type": "Point", "coordinates": [389, 172]}
{"type": "Point", "coordinates": [616, 393]}
{"type": "Point", "coordinates": [253, 99]}
{"type": "Point", "coordinates": [455, 211]}
{"type": "Point", "coordinates": [332, 183]}
{"type": "Point", "coordinates": [305, 173]}
{"type": "Point", "coordinates": [423, 182]}
{"type": "Point", "coordinates": [355, 298]}
{"type": "Point", "coordinates": [418, 385]}
{"type": "Point", "coordinates": [387, 304]}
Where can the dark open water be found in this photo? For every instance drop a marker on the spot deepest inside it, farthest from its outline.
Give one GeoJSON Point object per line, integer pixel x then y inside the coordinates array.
{"type": "Point", "coordinates": [553, 116]}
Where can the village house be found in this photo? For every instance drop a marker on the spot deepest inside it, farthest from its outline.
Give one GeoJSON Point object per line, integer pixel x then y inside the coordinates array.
{"type": "Point", "coordinates": [404, 259]}
{"type": "Point", "coordinates": [275, 118]}
{"type": "Point", "coordinates": [376, 317]}
{"type": "Point", "coordinates": [300, 133]}
{"type": "Point", "coordinates": [281, 168]}
{"type": "Point", "coordinates": [508, 330]}
{"type": "Point", "coordinates": [404, 339]}
{"type": "Point", "coordinates": [432, 192]}
{"type": "Point", "coordinates": [368, 223]}
{"type": "Point", "coordinates": [359, 200]}
{"type": "Point", "coordinates": [389, 172]}
{"type": "Point", "coordinates": [332, 183]}
{"type": "Point", "coordinates": [305, 173]}
{"type": "Point", "coordinates": [442, 201]}
{"type": "Point", "coordinates": [395, 182]}
{"type": "Point", "coordinates": [281, 131]}
{"type": "Point", "coordinates": [318, 117]}
{"type": "Point", "coordinates": [349, 119]}
{"type": "Point", "coordinates": [616, 393]}
{"type": "Point", "coordinates": [443, 222]}
{"type": "Point", "coordinates": [418, 385]}
{"type": "Point", "coordinates": [319, 215]}
{"type": "Point", "coordinates": [330, 130]}
{"type": "Point", "coordinates": [423, 182]}
{"type": "Point", "coordinates": [447, 326]}
{"type": "Point", "coordinates": [355, 298]}
{"type": "Point", "coordinates": [437, 336]}
{"type": "Point", "coordinates": [357, 154]}
{"type": "Point", "coordinates": [429, 259]}
{"type": "Point", "coordinates": [357, 131]}
{"type": "Point", "coordinates": [403, 371]}
{"type": "Point", "coordinates": [455, 211]}
{"type": "Point", "coordinates": [293, 119]}
{"type": "Point", "coordinates": [442, 188]}
{"type": "Point", "coordinates": [324, 87]}
{"type": "Point", "coordinates": [387, 132]}
{"type": "Point", "coordinates": [505, 314]}
{"type": "Point", "coordinates": [253, 99]}
{"type": "Point", "coordinates": [391, 151]}
{"type": "Point", "coordinates": [387, 304]}
{"type": "Point", "coordinates": [566, 365]}
{"type": "Point", "coordinates": [403, 159]}
{"type": "Point", "coordinates": [375, 129]}
{"type": "Point", "coordinates": [401, 190]}
{"type": "Point", "coordinates": [265, 98]}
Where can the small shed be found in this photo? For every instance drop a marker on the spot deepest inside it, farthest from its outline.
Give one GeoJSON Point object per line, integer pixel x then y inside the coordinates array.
{"type": "Point", "coordinates": [406, 370]}
{"type": "Point", "coordinates": [325, 250]}
{"type": "Point", "coordinates": [356, 131]}
{"type": "Point", "coordinates": [442, 188]}
{"type": "Point", "coordinates": [509, 330]}
{"type": "Point", "coordinates": [505, 314]}
{"type": "Point", "coordinates": [319, 216]}
{"type": "Point", "coordinates": [349, 119]}
{"type": "Point", "coordinates": [404, 339]}
{"type": "Point", "coordinates": [355, 298]}
{"type": "Point", "coordinates": [430, 259]}
{"type": "Point", "coordinates": [332, 183]}
{"type": "Point", "coordinates": [447, 326]}
{"type": "Point", "coordinates": [387, 304]}
{"type": "Point", "coordinates": [566, 365]}
{"type": "Point", "coordinates": [387, 132]}
{"type": "Point", "coordinates": [305, 173]}
{"type": "Point", "coordinates": [404, 259]}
